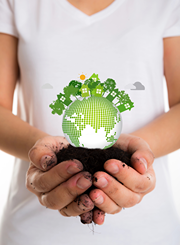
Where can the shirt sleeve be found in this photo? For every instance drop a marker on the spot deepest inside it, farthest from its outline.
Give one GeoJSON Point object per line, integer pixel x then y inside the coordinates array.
{"type": "Point", "coordinates": [7, 23]}
{"type": "Point", "coordinates": [173, 22]}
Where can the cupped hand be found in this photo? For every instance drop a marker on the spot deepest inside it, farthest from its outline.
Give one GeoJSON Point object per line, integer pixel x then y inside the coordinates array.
{"type": "Point", "coordinates": [128, 185]}
{"type": "Point", "coordinates": [58, 186]}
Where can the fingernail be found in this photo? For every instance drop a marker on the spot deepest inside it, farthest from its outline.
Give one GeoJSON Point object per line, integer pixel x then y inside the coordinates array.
{"type": "Point", "coordinates": [73, 169]}
{"type": "Point", "coordinates": [84, 202]}
{"type": "Point", "coordinates": [102, 182]}
{"type": "Point", "coordinates": [113, 169]}
{"type": "Point", "coordinates": [99, 200]}
{"type": "Point", "coordinates": [44, 161]}
{"type": "Point", "coordinates": [78, 164]}
{"type": "Point", "coordinates": [144, 162]}
{"type": "Point", "coordinates": [84, 182]}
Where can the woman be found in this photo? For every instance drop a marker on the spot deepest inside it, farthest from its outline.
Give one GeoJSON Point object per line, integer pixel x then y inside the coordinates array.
{"type": "Point", "coordinates": [52, 42]}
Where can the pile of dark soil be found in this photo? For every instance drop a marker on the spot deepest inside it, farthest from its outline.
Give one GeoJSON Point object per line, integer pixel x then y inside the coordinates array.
{"type": "Point", "coordinates": [93, 161]}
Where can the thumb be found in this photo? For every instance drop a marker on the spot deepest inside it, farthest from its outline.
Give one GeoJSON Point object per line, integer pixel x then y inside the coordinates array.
{"type": "Point", "coordinates": [43, 153]}
{"type": "Point", "coordinates": [142, 157]}
{"type": "Point", "coordinates": [141, 160]}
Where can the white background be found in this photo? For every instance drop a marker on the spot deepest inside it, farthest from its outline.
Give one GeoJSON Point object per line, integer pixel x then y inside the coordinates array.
{"type": "Point", "coordinates": [6, 167]}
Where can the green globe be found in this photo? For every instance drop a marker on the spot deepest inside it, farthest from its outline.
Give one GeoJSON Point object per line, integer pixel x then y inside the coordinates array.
{"type": "Point", "coordinates": [93, 122]}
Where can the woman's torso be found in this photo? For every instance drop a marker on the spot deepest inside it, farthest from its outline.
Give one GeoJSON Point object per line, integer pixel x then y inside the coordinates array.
{"type": "Point", "coordinates": [57, 43]}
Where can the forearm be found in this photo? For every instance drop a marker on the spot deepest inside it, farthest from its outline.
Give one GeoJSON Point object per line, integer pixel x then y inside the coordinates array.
{"type": "Point", "coordinates": [163, 134]}
{"type": "Point", "coordinates": [16, 136]}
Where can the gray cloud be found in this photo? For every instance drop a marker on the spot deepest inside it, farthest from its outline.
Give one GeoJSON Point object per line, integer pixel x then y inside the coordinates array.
{"type": "Point", "coordinates": [138, 86]}
{"type": "Point", "coordinates": [130, 86]}
{"type": "Point", "coordinates": [47, 86]}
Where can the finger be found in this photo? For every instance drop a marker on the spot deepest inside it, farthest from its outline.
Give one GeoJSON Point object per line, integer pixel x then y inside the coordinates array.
{"type": "Point", "coordinates": [29, 183]}
{"type": "Point", "coordinates": [80, 205]}
{"type": "Point", "coordinates": [87, 217]}
{"type": "Point", "coordinates": [130, 177]}
{"type": "Point", "coordinates": [103, 202]}
{"type": "Point", "coordinates": [142, 156]}
{"type": "Point", "coordinates": [46, 181]}
{"type": "Point", "coordinates": [117, 192]}
{"type": "Point", "coordinates": [141, 160]}
{"type": "Point", "coordinates": [98, 216]}
{"type": "Point", "coordinates": [43, 153]}
{"type": "Point", "coordinates": [66, 192]}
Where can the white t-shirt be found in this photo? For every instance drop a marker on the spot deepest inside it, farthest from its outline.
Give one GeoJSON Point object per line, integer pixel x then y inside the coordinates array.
{"type": "Point", "coordinates": [57, 43]}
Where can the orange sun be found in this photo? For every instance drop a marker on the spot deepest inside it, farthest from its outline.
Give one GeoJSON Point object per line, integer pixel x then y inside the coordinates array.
{"type": "Point", "coordinates": [82, 76]}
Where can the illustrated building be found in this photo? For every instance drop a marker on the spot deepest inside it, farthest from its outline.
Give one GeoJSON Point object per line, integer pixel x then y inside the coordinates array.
{"type": "Point", "coordinates": [95, 77]}
{"type": "Point", "coordinates": [112, 95]}
{"type": "Point", "coordinates": [62, 97]}
{"type": "Point", "coordinates": [84, 90]}
{"type": "Point", "coordinates": [126, 106]}
{"type": "Point", "coordinates": [98, 91]}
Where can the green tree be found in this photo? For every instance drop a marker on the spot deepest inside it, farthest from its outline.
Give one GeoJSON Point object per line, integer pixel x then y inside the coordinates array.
{"type": "Point", "coordinates": [126, 98]}
{"type": "Point", "coordinates": [91, 84]}
{"type": "Point", "coordinates": [122, 93]}
{"type": "Point", "coordinates": [122, 97]}
{"type": "Point", "coordinates": [76, 84]}
{"type": "Point", "coordinates": [71, 90]}
{"type": "Point", "coordinates": [109, 84]}
{"type": "Point", "coordinates": [57, 107]}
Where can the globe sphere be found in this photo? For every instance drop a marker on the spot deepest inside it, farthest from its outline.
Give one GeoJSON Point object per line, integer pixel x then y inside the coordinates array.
{"type": "Point", "coordinates": [93, 122]}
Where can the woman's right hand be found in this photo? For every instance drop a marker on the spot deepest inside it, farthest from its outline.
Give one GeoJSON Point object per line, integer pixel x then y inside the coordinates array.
{"type": "Point", "coordinates": [60, 186]}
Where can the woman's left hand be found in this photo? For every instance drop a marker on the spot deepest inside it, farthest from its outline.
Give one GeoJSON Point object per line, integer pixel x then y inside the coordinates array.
{"type": "Point", "coordinates": [130, 184]}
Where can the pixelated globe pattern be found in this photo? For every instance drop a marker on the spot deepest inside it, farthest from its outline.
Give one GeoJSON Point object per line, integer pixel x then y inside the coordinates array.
{"type": "Point", "coordinates": [93, 122]}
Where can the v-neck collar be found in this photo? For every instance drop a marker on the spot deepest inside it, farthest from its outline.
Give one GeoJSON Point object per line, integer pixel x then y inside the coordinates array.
{"type": "Point", "coordinates": [73, 11]}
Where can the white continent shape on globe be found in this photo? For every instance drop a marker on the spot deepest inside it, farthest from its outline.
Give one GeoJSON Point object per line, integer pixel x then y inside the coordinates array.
{"type": "Point", "coordinates": [93, 122]}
